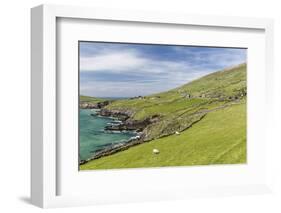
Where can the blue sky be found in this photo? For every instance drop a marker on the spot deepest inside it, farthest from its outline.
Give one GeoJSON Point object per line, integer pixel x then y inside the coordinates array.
{"type": "Point", "coordinates": [128, 70]}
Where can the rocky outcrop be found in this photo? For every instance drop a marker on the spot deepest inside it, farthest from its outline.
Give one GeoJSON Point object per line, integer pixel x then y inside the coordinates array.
{"type": "Point", "coordinates": [120, 114]}
{"type": "Point", "coordinates": [88, 105]}
{"type": "Point", "coordinates": [129, 125]}
{"type": "Point", "coordinates": [113, 149]}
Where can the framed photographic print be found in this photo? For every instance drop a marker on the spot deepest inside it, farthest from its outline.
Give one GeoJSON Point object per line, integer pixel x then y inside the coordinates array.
{"type": "Point", "coordinates": [153, 105]}
{"type": "Point", "coordinates": [130, 106]}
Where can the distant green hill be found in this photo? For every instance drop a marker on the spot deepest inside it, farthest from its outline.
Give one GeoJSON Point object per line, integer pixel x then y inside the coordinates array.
{"type": "Point", "coordinates": [90, 99]}
{"type": "Point", "coordinates": [209, 113]}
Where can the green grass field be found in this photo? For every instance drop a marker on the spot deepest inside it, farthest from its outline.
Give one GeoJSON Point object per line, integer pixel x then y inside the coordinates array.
{"type": "Point", "coordinates": [89, 99]}
{"type": "Point", "coordinates": [209, 113]}
{"type": "Point", "coordinates": [220, 138]}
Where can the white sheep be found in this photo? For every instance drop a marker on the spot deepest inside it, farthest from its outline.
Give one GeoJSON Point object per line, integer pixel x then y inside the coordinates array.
{"type": "Point", "coordinates": [177, 133]}
{"type": "Point", "coordinates": [155, 151]}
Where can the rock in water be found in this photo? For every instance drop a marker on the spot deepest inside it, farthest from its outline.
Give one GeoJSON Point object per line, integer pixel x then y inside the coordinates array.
{"type": "Point", "coordinates": [155, 151]}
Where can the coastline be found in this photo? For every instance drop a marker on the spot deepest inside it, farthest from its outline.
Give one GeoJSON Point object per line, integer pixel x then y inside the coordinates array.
{"type": "Point", "coordinates": [119, 120]}
{"type": "Point", "coordinates": [173, 112]}
{"type": "Point", "coordinates": [112, 150]}
{"type": "Point", "coordinates": [140, 138]}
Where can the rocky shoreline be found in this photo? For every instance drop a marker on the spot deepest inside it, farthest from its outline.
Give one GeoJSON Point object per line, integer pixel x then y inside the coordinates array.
{"type": "Point", "coordinates": [114, 149]}
{"type": "Point", "coordinates": [88, 105]}
{"type": "Point", "coordinates": [132, 125]}
{"type": "Point", "coordinates": [126, 124]}
{"type": "Point", "coordinates": [121, 115]}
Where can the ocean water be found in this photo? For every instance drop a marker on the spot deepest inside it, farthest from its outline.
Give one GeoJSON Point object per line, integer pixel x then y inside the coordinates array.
{"type": "Point", "coordinates": [92, 135]}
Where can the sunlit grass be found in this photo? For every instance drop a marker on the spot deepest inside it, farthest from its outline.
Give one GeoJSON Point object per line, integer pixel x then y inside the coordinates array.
{"type": "Point", "coordinates": [220, 138]}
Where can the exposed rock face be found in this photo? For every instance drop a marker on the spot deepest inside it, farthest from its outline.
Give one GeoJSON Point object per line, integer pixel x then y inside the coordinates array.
{"type": "Point", "coordinates": [130, 125]}
{"type": "Point", "coordinates": [99, 105]}
{"type": "Point", "coordinates": [120, 114]}
{"type": "Point", "coordinates": [113, 149]}
{"type": "Point", "coordinates": [137, 97]}
{"type": "Point", "coordinates": [127, 124]}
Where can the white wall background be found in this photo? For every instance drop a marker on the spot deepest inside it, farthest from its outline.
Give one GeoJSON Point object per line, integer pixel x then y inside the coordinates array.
{"type": "Point", "coordinates": [15, 103]}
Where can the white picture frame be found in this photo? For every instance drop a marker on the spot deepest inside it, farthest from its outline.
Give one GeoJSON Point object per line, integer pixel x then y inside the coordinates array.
{"type": "Point", "coordinates": [44, 153]}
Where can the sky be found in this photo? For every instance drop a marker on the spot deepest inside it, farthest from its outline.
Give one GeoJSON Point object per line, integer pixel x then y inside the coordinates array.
{"type": "Point", "coordinates": [129, 70]}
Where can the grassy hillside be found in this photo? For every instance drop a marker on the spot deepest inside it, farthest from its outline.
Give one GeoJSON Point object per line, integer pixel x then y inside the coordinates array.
{"type": "Point", "coordinates": [180, 107]}
{"type": "Point", "coordinates": [214, 87]}
{"type": "Point", "coordinates": [89, 99]}
{"type": "Point", "coordinates": [209, 113]}
{"type": "Point", "coordinates": [218, 138]}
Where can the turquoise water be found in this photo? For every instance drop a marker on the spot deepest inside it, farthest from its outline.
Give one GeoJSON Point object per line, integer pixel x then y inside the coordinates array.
{"type": "Point", "coordinates": [92, 135]}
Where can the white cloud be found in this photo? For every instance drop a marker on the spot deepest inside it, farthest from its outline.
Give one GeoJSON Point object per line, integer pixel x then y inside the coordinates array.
{"type": "Point", "coordinates": [131, 62]}
{"type": "Point", "coordinates": [220, 57]}
{"type": "Point", "coordinates": [114, 61]}
{"type": "Point", "coordinates": [154, 84]}
{"type": "Point", "coordinates": [149, 74]}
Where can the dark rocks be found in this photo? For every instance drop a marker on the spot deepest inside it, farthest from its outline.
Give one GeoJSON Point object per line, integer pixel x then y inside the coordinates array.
{"type": "Point", "coordinates": [99, 105]}
{"type": "Point", "coordinates": [103, 104]}
{"type": "Point", "coordinates": [137, 97]}
{"type": "Point", "coordinates": [82, 162]}
{"type": "Point", "coordinates": [85, 105]}
{"type": "Point", "coordinates": [119, 114]}
{"type": "Point", "coordinates": [114, 149]}
{"type": "Point", "coordinates": [130, 125]}
{"type": "Point", "coordinates": [124, 123]}
{"type": "Point", "coordinates": [138, 125]}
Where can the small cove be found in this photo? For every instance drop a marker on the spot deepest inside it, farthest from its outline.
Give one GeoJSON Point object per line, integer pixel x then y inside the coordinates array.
{"type": "Point", "coordinates": [94, 138]}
